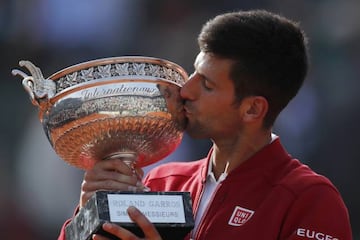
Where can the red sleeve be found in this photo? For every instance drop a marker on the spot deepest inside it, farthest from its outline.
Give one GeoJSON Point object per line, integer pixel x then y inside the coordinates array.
{"type": "Point", "coordinates": [318, 213]}
{"type": "Point", "coordinates": [62, 231]}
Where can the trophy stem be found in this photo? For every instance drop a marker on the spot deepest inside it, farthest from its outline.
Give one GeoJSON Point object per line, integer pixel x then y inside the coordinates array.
{"type": "Point", "coordinates": [129, 158]}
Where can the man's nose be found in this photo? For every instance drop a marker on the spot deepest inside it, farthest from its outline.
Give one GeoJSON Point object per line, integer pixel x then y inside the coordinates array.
{"type": "Point", "coordinates": [187, 90]}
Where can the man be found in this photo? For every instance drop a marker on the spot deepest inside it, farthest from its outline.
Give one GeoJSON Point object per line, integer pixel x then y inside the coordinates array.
{"type": "Point", "coordinates": [250, 65]}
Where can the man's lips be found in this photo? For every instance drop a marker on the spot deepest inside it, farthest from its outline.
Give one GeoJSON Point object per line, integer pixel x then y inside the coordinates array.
{"type": "Point", "coordinates": [186, 110]}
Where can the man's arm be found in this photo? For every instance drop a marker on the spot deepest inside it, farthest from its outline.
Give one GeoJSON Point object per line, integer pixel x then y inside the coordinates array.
{"type": "Point", "coordinates": [318, 213]}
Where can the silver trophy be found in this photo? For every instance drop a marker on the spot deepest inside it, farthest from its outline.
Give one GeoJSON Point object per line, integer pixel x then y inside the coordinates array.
{"type": "Point", "coordinates": [128, 108]}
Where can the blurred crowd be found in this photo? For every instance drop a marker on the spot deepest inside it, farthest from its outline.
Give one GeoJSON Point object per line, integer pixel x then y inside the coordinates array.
{"type": "Point", "coordinates": [39, 191]}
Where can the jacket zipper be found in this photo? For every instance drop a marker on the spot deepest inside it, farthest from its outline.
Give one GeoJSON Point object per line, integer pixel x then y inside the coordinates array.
{"type": "Point", "coordinates": [200, 226]}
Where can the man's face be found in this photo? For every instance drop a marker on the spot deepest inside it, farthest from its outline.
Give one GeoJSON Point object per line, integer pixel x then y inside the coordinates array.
{"type": "Point", "coordinates": [209, 99]}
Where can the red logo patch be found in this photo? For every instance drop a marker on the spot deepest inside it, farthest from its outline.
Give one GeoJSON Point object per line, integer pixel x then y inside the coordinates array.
{"type": "Point", "coordinates": [240, 216]}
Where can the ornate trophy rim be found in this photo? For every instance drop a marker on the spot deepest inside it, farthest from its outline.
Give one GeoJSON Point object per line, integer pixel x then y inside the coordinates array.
{"type": "Point", "coordinates": [89, 73]}
{"type": "Point", "coordinates": [113, 60]}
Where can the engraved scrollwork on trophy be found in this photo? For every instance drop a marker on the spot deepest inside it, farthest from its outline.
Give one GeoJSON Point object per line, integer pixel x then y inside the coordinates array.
{"type": "Point", "coordinates": [154, 70]}
{"type": "Point", "coordinates": [118, 69]}
{"type": "Point", "coordinates": [121, 69]}
{"type": "Point", "coordinates": [87, 74]}
{"type": "Point", "coordinates": [104, 71]}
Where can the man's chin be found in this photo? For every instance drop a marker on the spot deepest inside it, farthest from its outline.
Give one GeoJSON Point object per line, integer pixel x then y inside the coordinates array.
{"type": "Point", "coordinates": [194, 132]}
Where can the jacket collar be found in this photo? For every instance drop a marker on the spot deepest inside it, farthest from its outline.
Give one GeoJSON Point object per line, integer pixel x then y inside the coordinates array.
{"type": "Point", "coordinates": [270, 156]}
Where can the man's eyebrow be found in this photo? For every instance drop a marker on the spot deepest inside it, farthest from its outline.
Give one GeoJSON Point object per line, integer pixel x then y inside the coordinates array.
{"type": "Point", "coordinates": [201, 74]}
{"type": "Point", "coordinates": [207, 78]}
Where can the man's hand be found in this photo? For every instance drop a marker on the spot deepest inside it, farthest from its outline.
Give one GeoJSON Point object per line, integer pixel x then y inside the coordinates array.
{"type": "Point", "coordinates": [135, 215]}
{"type": "Point", "coordinates": [110, 175]}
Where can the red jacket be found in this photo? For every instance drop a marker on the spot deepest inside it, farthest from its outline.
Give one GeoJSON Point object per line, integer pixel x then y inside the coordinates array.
{"type": "Point", "coordinates": [270, 196]}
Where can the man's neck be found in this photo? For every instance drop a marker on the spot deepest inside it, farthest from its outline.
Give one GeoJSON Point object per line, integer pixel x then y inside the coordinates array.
{"type": "Point", "coordinates": [228, 156]}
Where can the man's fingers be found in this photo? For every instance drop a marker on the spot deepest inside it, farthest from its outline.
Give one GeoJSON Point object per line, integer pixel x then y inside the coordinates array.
{"type": "Point", "coordinates": [118, 231]}
{"type": "Point", "coordinates": [139, 172]}
{"type": "Point", "coordinates": [98, 237]}
{"type": "Point", "coordinates": [109, 175]}
{"type": "Point", "coordinates": [147, 227]}
{"type": "Point", "coordinates": [109, 184]}
{"type": "Point", "coordinates": [116, 165]}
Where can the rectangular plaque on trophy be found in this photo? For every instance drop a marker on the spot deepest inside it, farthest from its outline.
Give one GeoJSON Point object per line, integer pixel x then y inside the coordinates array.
{"type": "Point", "coordinates": [170, 212]}
{"type": "Point", "coordinates": [128, 108]}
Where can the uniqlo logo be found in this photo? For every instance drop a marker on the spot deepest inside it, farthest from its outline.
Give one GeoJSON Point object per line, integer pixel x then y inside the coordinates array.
{"type": "Point", "coordinates": [240, 216]}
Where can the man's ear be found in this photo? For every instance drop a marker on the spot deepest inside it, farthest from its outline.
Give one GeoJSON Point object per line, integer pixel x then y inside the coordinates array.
{"type": "Point", "coordinates": [255, 108]}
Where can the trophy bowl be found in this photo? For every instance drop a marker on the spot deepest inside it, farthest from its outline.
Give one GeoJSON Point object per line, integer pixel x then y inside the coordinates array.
{"type": "Point", "coordinates": [119, 107]}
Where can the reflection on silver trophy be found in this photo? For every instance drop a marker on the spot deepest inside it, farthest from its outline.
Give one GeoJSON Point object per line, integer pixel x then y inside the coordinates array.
{"type": "Point", "coordinates": [121, 107]}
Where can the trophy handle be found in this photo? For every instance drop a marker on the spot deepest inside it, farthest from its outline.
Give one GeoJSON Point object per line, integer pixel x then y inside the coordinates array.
{"type": "Point", "coordinates": [129, 158]}
{"type": "Point", "coordinates": [37, 87]}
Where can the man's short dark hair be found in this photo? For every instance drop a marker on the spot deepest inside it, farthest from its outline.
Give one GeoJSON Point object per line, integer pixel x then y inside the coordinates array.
{"type": "Point", "coordinates": [269, 54]}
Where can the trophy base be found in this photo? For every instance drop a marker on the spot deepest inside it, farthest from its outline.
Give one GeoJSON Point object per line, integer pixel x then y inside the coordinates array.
{"type": "Point", "coordinates": [170, 212]}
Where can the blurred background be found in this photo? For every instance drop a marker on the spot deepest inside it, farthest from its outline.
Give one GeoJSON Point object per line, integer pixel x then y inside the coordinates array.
{"type": "Point", "coordinates": [320, 126]}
